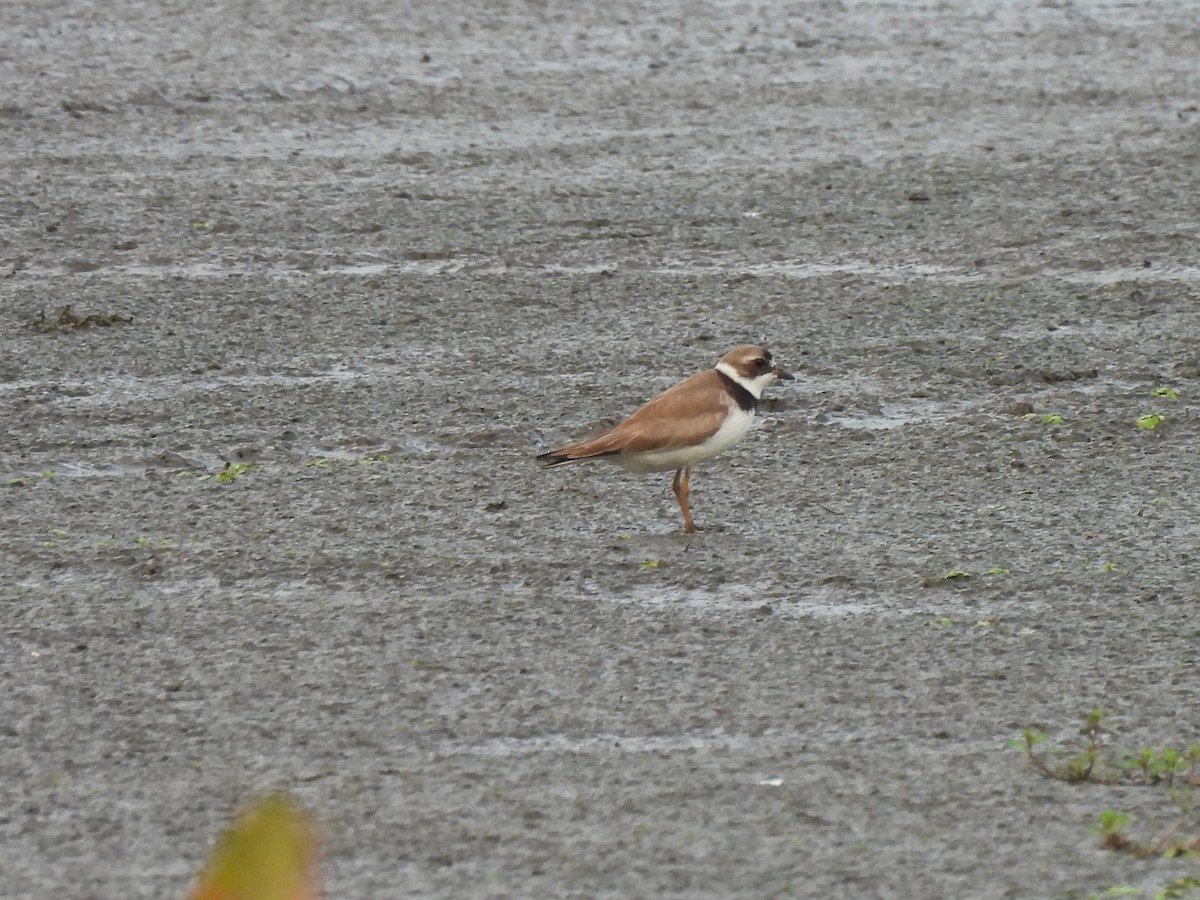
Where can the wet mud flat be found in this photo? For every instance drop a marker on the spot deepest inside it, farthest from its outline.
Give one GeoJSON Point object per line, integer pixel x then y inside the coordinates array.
{"type": "Point", "coordinates": [282, 528]}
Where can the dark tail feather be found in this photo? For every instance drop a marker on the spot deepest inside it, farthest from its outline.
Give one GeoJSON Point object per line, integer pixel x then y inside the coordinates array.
{"type": "Point", "coordinates": [563, 456]}
{"type": "Point", "coordinates": [552, 459]}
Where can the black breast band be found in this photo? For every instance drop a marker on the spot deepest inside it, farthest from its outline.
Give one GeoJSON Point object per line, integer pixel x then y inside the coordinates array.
{"type": "Point", "coordinates": [746, 400]}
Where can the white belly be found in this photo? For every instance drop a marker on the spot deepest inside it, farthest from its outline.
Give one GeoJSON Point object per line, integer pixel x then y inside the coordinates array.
{"type": "Point", "coordinates": [732, 430]}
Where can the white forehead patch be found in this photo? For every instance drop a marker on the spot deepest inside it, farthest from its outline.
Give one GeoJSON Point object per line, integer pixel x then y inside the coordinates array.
{"type": "Point", "coordinates": [754, 385]}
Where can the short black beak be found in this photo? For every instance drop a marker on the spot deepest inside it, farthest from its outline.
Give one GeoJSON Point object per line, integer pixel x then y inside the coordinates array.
{"type": "Point", "coordinates": [783, 374]}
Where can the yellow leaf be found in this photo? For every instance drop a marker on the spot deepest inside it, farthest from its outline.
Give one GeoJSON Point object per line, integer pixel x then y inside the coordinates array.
{"type": "Point", "coordinates": [268, 853]}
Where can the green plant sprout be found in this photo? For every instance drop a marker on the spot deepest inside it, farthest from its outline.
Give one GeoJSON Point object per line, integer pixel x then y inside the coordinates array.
{"type": "Point", "coordinates": [1185, 887]}
{"type": "Point", "coordinates": [1111, 825]}
{"type": "Point", "coordinates": [1180, 888]}
{"type": "Point", "coordinates": [1110, 822]}
{"type": "Point", "coordinates": [1177, 770]}
{"type": "Point", "coordinates": [1083, 766]}
{"type": "Point", "coordinates": [1163, 766]}
{"type": "Point", "coordinates": [234, 471]}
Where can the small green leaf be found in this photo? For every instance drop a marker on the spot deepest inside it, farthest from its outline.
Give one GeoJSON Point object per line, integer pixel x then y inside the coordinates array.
{"type": "Point", "coordinates": [1034, 737]}
{"type": "Point", "coordinates": [1150, 421]}
{"type": "Point", "coordinates": [1168, 392]}
{"type": "Point", "coordinates": [996, 570]}
{"type": "Point", "coordinates": [956, 573]}
{"type": "Point", "coordinates": [234, 471]}
{"type": "Point", "coordinates": [1111, 820]}
{"type": "Point", "coordinates": [1030, 738]}
{"type": "Point", "coordinates": [1044, 418]}
{"type": "Point", "coordinates": [649, 564]}
{"type": "Point", "coordinates": [1179, 888]}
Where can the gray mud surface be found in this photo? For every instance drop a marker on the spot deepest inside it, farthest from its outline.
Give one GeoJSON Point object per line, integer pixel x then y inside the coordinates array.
{"type": "Point", "coordinates": [379, 259]}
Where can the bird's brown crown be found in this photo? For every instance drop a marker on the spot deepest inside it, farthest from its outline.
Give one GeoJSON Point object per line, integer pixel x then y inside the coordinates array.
{"type": "Point", "coordinates": [749, 360]}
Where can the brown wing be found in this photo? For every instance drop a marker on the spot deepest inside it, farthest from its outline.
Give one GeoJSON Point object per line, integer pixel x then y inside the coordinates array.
{"type": "Point", "coordinates": [686, 414]}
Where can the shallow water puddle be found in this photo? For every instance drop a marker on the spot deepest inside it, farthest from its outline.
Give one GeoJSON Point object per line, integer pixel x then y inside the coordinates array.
{"type": "Point", "coordinates": [142, 388]}
{"type": "Point", "coordinates": [1040, 331]}
{"type": "Point", "coordinates": [83, 470]}
{"type": "Point", "coordinates": [488, 265]}
{"type": "Point", "coordinates": [890, 415]}
{"type": "Point", "coordinates": [820, 601]}
{"type": "Point", "coordinates": [607, 744]}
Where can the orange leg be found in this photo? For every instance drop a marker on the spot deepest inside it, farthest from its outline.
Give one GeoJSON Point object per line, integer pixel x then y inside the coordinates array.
{"type": "Point", "coordinates": [680, 487]}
